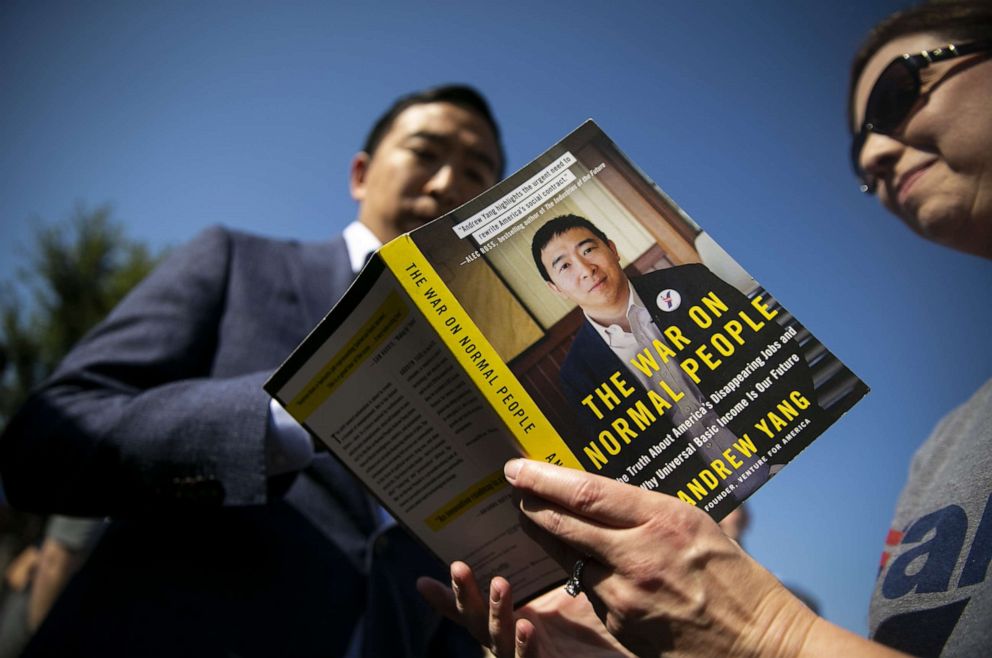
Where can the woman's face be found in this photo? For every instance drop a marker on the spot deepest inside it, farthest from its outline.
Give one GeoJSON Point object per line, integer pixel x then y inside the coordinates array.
{"type": "Point", "coordinates": [935, 171]}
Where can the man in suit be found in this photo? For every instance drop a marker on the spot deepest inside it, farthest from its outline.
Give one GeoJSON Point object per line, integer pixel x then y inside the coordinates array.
{"type": "Point", "coordinates": [650, 319]}
{"type": "Point", "coordinates": [231, 537]}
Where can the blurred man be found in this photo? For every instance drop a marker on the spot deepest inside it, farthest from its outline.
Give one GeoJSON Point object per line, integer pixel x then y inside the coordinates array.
{"type": "Point", "coordinates": [231, 536]}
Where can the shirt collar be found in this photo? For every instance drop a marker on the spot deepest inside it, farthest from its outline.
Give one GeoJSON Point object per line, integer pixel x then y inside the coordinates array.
{"type": "Point", "coordinates": [614, 332]}
{"type": "Point", "coordinates": [360, 241]}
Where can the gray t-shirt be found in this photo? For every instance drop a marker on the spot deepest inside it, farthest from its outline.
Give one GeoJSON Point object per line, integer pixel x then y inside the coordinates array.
{"type": "Point", "coordinates": [932, 597]}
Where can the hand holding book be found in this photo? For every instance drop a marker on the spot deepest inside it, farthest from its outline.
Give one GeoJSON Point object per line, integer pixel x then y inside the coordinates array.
{"type": "Point", "coordinates": [553, 625]}
{"type": "Point", "coordinates": [660, 576]}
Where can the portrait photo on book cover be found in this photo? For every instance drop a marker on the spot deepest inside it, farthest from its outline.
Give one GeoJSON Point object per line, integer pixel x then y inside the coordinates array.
{"type": "Point", "coordinates": [651, 351]}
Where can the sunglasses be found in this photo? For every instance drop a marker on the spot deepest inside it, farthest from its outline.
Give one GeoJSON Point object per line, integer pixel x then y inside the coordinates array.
{"type": "Point", "coordinates": [893, 96]}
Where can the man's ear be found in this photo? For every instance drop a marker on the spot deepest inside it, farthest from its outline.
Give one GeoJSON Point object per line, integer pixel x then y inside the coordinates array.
{"type": "Point", "coordinates": [613, 247]}
{"type": "Point", "coordinates": [356, 175]}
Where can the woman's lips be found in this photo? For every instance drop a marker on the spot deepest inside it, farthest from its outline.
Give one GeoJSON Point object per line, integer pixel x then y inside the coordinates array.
{"type": "Point", "coordinates": [908, 180]}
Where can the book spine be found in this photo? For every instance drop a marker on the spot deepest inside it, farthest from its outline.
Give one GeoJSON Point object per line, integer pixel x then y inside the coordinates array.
{"type": "Point", "coordinates": [534, 433]}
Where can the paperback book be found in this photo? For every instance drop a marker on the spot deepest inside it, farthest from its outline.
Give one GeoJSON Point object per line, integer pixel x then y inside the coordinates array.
{"type": "Point", "coordinates": [574, 314]}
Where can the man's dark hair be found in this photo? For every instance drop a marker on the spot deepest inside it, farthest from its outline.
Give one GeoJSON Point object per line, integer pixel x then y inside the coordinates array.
{"type": "Point", "coordinates": [552, 230]}
{"type": "Point", "coordinates": [958, 20]}
{"type": "Point", "coordinates": [461, 95]}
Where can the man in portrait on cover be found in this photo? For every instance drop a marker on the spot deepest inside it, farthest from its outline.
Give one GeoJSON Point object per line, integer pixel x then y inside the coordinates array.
{"type": "Point", "coordinates": [652, 338]}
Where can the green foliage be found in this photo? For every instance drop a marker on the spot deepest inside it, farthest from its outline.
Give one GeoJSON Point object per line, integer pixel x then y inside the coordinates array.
{"type": "Point", "coordinates": [76, 272]}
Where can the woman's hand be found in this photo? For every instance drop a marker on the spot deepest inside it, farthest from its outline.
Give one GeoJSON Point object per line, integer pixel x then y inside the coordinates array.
{"type": "Point", "coordinates": [660, 574]}
{"type": "Point", "coordinates": [553, 625]}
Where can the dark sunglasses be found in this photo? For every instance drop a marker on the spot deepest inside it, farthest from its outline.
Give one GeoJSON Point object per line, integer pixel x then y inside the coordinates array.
{"type": "Point", "coordinates": [895, 93]}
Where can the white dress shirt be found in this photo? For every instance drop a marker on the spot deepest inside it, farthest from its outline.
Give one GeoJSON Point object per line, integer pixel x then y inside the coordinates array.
{"type": "Point", "coordinates": [627, 344]}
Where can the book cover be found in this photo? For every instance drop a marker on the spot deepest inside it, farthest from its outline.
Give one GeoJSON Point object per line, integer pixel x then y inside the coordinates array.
{"type": "Point", "coordinates": [572, 313]}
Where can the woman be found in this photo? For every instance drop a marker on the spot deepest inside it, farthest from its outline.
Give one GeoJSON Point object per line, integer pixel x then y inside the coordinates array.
{"type": "Point", "coordinates": [660, 574]}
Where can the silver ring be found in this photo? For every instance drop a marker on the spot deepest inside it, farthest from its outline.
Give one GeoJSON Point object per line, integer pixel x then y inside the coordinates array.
{"type": "Point", "coordinates": [573, 586]}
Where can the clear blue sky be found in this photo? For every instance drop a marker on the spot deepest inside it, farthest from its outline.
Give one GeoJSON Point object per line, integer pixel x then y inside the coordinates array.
{"type": "Point", "coordinates": [185, 114]}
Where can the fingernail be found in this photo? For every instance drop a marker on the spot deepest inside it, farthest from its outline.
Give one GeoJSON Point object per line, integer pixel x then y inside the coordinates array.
{"type": "Point", "coordinates": [512, 469]}
{"type": "Point", "coordinates": [495, 595]}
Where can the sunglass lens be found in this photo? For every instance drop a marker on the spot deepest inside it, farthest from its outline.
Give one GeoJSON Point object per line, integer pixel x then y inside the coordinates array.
{"type": "Point", "coordinates": [892, 97]}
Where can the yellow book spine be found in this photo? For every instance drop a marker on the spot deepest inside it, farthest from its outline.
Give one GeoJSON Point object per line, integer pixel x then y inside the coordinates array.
{"type": "Point", "coordinates": [504, 392]}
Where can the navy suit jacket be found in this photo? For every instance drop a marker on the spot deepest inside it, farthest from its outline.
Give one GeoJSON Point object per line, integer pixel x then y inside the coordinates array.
{"type": "Point", "coordinates": [158, 419]}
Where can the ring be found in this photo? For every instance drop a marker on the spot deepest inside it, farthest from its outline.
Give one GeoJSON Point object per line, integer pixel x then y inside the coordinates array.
{"type": "Point", "coordinates": [573, 586]}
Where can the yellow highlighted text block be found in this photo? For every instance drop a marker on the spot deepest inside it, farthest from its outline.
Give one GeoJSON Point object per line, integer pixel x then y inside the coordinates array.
{"type": "Point", "coordinates": [466, 500]}
{"type": "Point", "coordinates": [386, 319]}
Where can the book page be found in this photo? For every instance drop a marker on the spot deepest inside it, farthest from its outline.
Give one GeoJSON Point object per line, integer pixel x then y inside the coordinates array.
{"type": "Point", "coordinates": [392, 403]}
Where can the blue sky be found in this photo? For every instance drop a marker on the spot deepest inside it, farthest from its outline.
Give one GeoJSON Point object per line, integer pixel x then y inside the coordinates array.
{"type": "Point", "coordinates": [186, 114]}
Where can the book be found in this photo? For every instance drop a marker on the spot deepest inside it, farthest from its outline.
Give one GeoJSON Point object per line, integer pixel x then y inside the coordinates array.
{"type": "Point", "coordinates": [573, 313]}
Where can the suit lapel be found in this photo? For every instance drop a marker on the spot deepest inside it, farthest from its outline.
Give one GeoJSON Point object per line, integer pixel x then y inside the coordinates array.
{"type": "Point", "coordinates": [321, 273]}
